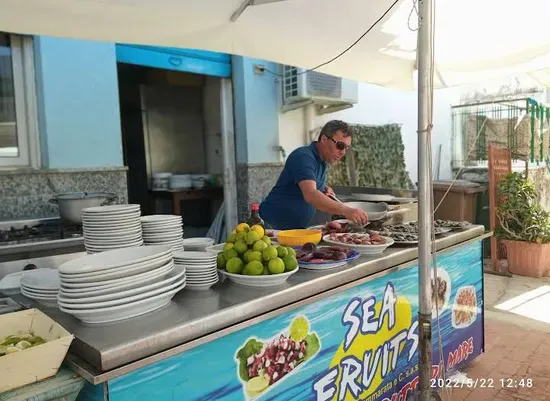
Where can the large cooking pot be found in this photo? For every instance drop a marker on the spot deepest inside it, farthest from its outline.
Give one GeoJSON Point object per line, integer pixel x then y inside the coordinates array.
{"type": "Point", "coordinates": [71, 204]}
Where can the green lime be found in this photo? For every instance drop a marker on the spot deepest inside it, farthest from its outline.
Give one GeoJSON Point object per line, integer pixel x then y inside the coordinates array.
{"type": "Point", "coordinates": [240, 247]}
{"type": "Point", "coordinates": [266, 271]}
{"type": "Point", "coordinates": [246, 254]}
{"type": "Point", "coordinates": [290, 263]}
{"type": "Point", "coordinates": [276, 266]}
{"type": "Point", "coordinates": [234, 265]}
{"type": "Point", "coordinates": [241, 236]}
{"type": "Point", "coordinates": [232, 238]}
{"type": "Point", "coordinates": [259, 246]}
{"type": "Point", "coordinates": [299, 329]}
{"type": "Point", "coordinates": [252, 237]}
{"type": "Point", "coordinates": [266, 239]}
{"type": "Point", "coordinates": [256, 385]}
{"type": "Point", "coordinates": [253, 268]}
{"type": "Point", "coordinates": [291, 251]}
{"type": "Point", "coordinates": [228, 245]}
{"type": "Point", "coordinates": [270, 252]}
{"type": "Point", "coordinates": [220, 261]}
{"type": "Point", "coordinates": [229, 253]}
{"type": "Point", "coordinates": [254, 255]}
{"type": "Point", "coordinates": [282, 251]}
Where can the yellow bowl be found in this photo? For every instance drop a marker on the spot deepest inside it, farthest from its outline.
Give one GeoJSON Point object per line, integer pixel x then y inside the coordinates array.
{"type": "Point", "coordinates": [298, 237]}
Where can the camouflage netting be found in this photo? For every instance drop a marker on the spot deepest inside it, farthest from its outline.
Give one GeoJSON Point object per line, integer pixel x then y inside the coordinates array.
{"type": "Point", "coordinates": [379, 159]}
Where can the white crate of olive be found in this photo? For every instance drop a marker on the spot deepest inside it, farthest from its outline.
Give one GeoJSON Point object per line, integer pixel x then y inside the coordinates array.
{"type": "Point", "coordinates": [32, 348]}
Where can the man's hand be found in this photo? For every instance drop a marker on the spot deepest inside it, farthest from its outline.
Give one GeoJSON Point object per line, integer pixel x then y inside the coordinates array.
{"type": "Point", "coordinates": [329, 191]}
{"type": "Point", "coordinates": [357, 216]}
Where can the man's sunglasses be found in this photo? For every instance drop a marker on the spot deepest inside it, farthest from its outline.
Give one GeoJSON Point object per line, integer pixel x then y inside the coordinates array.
{"type": "Point", "coordinates": [339, 144]}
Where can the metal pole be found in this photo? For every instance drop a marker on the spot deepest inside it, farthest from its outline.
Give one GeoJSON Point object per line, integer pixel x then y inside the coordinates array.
{"type": "Point", "coordinates": [425, 80]}
{"type": "Point", "coordinates": [228, 150]}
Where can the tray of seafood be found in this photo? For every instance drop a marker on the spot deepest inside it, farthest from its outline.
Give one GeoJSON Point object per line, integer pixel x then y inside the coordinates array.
{"type": "Point", "coordinates": [367, 244]}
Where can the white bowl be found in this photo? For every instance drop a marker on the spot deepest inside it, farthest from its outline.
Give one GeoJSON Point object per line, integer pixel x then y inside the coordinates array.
{"type": "Point", "coordinates": [112, 259]}
{"type": "Point", "coordinates": [259, 281]}
{"type": "Point", "coordinates": [125, 311]}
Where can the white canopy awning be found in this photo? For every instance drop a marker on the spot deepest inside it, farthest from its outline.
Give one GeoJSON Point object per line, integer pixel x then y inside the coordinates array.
{"type": "Point", "coordinates": [474, 38]}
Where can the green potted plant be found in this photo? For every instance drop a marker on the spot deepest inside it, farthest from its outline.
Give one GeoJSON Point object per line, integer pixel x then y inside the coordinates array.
{"type": "Point", "coordinates": [524, 227]}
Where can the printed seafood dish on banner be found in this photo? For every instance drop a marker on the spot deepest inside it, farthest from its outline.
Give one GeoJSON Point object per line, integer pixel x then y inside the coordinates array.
{"type": "Point", "coordinates": [359, 344]}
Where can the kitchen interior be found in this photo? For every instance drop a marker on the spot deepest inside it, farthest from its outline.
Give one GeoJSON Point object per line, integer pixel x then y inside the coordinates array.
{"type": "Point", "coordinates": [171, 133]}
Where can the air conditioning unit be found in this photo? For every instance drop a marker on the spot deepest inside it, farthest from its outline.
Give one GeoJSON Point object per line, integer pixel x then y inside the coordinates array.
{"type": "Point", "coordinates": [301, 85]}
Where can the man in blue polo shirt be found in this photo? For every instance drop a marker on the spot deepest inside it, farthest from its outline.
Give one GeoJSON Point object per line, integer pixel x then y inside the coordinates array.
{"type": "Point", "coordinates": [301, 188]}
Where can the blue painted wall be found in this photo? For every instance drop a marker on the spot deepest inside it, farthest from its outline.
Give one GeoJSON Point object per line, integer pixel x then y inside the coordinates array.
{"type": "Point", "coordinates": [78, 104]}
{"type": "Point", "coordinates": [171, 58]}
{"type": "Point", "coordinates": [256, 111]}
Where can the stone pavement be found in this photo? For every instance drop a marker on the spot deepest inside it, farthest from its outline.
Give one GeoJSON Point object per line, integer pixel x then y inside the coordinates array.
{"type": "Point", "coordinates": [517, 336]}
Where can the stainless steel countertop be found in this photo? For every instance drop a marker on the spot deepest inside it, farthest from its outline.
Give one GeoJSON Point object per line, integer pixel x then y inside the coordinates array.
{"type": "Point", "coordinates": [192, 315]}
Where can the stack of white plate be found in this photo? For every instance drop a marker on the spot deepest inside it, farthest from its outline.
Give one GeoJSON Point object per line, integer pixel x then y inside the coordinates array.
{"type": "Point", "coordinates": [163, 229]}
{"type": "Point", "coordinates": [200, 180]}
{"type": "Point", "coordinates": [180, 181]}
{"type": "Point", "coordinates": [111, 227]}
{"type": "Point", "coordinates": [119, 284]}
{"type": "Point", "coordinates": [197, 243]}
{"type": "Point", "coordinates": [200, 268]}
{"type": "Point", "coordinates": [42, 285]}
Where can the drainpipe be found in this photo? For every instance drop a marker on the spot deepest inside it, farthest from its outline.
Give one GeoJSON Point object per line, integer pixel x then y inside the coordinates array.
{"type": "Point", "coordinates": [309, 122]}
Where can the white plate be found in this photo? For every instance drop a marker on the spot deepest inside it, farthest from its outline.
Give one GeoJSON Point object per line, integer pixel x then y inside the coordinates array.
{"type": "Point", "coordinates": [161, 218]}
{"type": "Point", "coordinates": [112, 234]}
{"type": "Point", "coordinates": [126, 272]}
{"type": "Point", "coordinates": [34, 295]}
{"type": "Point", "coordinates": [195, 255]}
{"type": "Point", "coordinates": [112, 259]}
{"type": "Point", "coordinates": [122, 300]}
{"type": "Point", "coordinates": [363, 249]}
{"type": "Point", "coordinates": [198, 242]}
{"type": "Point", "coordinates": [206, 274]}
{"type": "Point", "coordinates": [120, 292]}
{"type": "Point", "coordinates": [172, 239]}
{"type": "Point", "coordinates": [259, 281]}
{"type": "Point", "coordinates": [111, 209]}
{"type": "Point", "coordinates": [122, 312]}
{"type": "Point", "coordinates": [10, 283]}
{"type": "Point", "coordinates": [323, 266]}
{"type": "Point", "coordinates": [100, 218]}
{"type": "Point", "coordinates": [201, 287]}
{"type": "Point", "coordinates": [112, 226]}
{"type": "Point", "coordinates": [137, 281]}
{"type": "Point", "coordinates": [45, 294]}
{"type": "Point", "coordinates": [43, 279]}
{"type": "Point", "coordinates": [103, 248]}
{"type": "Point", "coordinates": [113, 240]}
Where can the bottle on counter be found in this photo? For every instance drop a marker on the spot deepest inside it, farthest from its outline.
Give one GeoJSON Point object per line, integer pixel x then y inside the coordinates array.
{"type": "Point", "coordinates": [255, 218]}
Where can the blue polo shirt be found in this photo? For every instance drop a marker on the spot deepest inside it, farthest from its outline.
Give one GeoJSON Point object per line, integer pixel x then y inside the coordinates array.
{"type": "Point", "coordinates": [285, 207]}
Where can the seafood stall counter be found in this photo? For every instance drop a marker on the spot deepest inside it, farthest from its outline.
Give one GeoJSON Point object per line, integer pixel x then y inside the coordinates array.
{"type": "Point", "coordinates": [346, 333]}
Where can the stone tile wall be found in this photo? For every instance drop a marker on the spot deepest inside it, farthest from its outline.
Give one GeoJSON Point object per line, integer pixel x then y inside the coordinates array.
{"type": "Point", "coordinates": [25, 194]}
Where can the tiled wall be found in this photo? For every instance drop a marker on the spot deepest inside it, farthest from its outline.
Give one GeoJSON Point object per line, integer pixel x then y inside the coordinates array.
{"type": "Point", "coordinates": [26, 195]}
{"type": "Point", "coordinates": [254, 182]}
